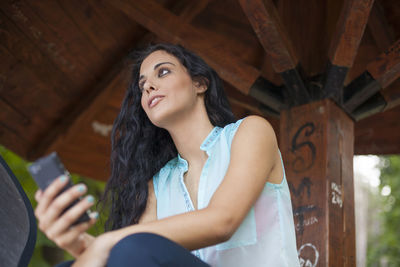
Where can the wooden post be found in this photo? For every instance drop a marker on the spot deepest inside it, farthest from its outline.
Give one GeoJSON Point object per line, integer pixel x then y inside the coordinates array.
{"type": "Point", "coordinates": [317, 142]}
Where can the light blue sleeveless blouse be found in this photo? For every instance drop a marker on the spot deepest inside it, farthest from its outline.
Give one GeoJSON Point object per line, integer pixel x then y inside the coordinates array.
{"type": "Point", "coordinates": [266, 237]}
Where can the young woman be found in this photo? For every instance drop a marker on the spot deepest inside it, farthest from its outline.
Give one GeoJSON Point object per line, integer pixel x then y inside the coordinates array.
{"type": "Point", "coordinates": [186, 176]}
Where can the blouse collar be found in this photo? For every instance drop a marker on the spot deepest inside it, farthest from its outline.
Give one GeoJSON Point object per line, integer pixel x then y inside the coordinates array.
{"type": "Point", "coordinates": [207, 144]}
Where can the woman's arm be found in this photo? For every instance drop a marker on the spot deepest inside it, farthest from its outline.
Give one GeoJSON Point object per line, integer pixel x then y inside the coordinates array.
{"type": "Point", "coordinates": [150, 213]}
{"type": "Point", "coordinates": [254, 153]}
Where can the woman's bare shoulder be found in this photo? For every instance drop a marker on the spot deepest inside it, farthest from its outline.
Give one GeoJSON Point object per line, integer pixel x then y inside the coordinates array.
{"type": "Point", "coordinates": [256, 126]}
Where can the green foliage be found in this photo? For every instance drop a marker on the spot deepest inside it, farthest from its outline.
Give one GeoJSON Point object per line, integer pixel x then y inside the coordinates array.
{"type": "Point", "coordinates": [384, 247]}
{"type": "Point", "coordinates": [46, 252]}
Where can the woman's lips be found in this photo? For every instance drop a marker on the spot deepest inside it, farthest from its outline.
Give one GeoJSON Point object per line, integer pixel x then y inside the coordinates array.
{"type": "Point", "coordinates": [155, 100]}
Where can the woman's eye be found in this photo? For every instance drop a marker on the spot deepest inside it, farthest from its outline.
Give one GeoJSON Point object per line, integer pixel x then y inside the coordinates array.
{"type": "Point", "coordinates": [162, 72]}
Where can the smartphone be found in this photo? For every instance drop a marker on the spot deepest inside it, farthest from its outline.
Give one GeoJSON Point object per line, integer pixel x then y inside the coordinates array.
{"type": "Point", "coordinates": [45, 170]}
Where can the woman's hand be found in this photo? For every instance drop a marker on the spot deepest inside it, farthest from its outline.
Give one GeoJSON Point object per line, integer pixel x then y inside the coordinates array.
{"type": "Point", "coordinates": [57, 226]}
{"type": "Point", "coordinates": [96, 255]}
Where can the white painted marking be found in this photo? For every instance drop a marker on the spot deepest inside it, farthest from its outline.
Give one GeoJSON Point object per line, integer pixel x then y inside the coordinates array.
{"type": "Point", "coordinates": [336, 194]}
{"type": "Point", "coordinates": [305, 261]}
{"type": "Point", "coordinates": [307, 222]}
{"type": "Point", "coordinates": [101, 128]}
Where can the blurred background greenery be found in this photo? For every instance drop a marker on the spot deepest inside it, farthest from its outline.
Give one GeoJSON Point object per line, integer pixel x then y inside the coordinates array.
{"type": "Point", "coordinates": [384, 216]}
{"type": "Point", "coordinates": [46, 253]}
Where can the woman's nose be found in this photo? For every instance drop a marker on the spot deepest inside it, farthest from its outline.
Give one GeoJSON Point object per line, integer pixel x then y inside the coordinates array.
{"type": "Point", "coordinates": [149, 86]}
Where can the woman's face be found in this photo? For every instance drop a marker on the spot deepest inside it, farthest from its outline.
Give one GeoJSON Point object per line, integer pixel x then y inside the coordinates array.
{"type": "Point", "coordinates": [167, 88]}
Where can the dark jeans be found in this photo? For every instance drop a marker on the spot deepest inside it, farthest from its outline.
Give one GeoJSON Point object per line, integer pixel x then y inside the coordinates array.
{"type": "Point", "coordinates": [149, 250]}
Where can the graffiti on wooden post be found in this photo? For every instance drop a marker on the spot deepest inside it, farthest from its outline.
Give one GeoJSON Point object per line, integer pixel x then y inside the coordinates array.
{"type": "Point", "coordinates": [336, 191]}
{"type": "Point", "coordinates": [306, 212]}
{"type": "Point", "coordinates": [305, 251]}
{"type": "Point", "coordinates": [299, 164]}
{"type": "Point", "coordinates": [305, 183]}
{"type": "Point", "coordinates": [300, 212]}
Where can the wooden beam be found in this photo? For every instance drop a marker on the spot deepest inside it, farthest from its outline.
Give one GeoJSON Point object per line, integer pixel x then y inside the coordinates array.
{"type": "Point", "coordinates": [381, 72]}
{"type": "Point", "coordinates": [21, 111]}
{"type": "Point", "coordinates": [392, 95]}
{"type": "Point", "coordinates": [81, 113]}
{"type": "Point", "coordinates": [186, 13]}
{"type": "Point", "coordinates": [264, 19]}
{"type": "Point", "coordinates": [344, 45]}
{"type": "Point", "coordinates": [317, 148]}
{"type": "Point", "coordinates": [12, 140]}
{"type": "Point", "coordinates": [170, 28]}
{"type": "Point", "coordinates": [253, 109]}
{"type": "Point", "coordinates": [268, 94]}
{"type": "Point", "coordinates": [386, 67]}
{"type": "Point", "coordinates": [192, 9]}
{"type": "Point", "coordinates": [378, 134]}
{"type": "Point", "coordinates": [379, 28]}
{"type": "Point", "coordinates": [349, 31]}
{"type": "Point", "coordinates": [359, 90]}
{"type": "Point", "coordinates": [308, 33]}
{"type": "Point", "coordinates": [22, 48]}
{"type": "Point", "coordinates": [251, 104]}
{"type": "Point", "coordinates": [70, 52]}
{"type": "Point", "coordinates": [373, 105]}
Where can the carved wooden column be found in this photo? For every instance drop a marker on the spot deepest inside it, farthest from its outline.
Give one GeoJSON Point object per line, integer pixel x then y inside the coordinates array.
{"type": "Point", "coordinates": [317, 147]}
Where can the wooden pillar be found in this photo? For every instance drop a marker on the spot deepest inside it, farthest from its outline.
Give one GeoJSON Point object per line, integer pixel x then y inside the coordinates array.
{"type": "Point", "coordinates": [317, 142]}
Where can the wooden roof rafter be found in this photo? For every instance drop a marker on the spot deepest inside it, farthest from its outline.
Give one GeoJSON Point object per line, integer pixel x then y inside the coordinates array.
{"type": "Point", "coordinates": [360, 98]}
{"type": "Point", "coordinates": [264, 19]}
{"type": "Point", "coordinates": [186, 14]}
{"type": "Point", "coordinates": [171, 28]}
{"type": "Point", "coordinates": [379, 28]}
{"type": "Point", "coordinates": [192, 9]}
{"type": "Point", "coordinates": [363, 96]}
{"type": "Point", "coordinates": [344, 45]}
{"type": "Point", "coordinates": [81, 114]}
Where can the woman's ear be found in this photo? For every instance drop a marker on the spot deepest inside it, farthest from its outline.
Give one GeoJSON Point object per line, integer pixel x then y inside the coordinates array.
{"type": "Point", "coordinates": [201, 84]}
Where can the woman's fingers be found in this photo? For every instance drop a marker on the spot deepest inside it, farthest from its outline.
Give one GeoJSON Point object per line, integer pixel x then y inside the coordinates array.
{"type": "Point", "coordinates": [50, 193]}
{"type": "Point", "coordinates": [55, 219]}
{"type": "Point", "coordinates": [58, 205]}
{"type": "Point", "coordinates": [74, 233]}
{"type": "Point", "coordinates": [38, 194]}
{"type": "Point", "coordinates": [69, 217]}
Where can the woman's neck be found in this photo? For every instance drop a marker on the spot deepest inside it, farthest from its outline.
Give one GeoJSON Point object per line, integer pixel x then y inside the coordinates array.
{"type": "Point", "coordinates": [188, 134]}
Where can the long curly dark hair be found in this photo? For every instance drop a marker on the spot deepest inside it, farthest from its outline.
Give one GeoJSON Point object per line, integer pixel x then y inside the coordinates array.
{"type": "Point", "coordinates": [140, 149]}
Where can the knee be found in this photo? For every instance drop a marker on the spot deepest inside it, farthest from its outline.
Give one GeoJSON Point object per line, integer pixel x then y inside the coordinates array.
{"type": "Point", "coordinates": [139, 248]}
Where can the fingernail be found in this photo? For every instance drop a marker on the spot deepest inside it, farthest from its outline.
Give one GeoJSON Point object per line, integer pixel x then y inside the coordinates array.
{"type": "Point", "coordinates": [94, 215]}
{"type": "Point", "coordinates": [90, 198]}
{"type": "Point", "coordinates": [63, 178]}
{"type": "Point", "coordinates": [81, 188]}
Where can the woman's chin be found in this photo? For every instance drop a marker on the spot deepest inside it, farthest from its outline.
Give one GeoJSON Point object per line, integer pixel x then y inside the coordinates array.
{"type": "Point", "coordinates": [158, 120]}
{"type": "Point", "coordinates": [162, 120]}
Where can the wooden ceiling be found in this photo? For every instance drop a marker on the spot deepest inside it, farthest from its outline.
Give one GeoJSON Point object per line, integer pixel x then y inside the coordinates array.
{"type": "Point", "coordinates": [64, 65]}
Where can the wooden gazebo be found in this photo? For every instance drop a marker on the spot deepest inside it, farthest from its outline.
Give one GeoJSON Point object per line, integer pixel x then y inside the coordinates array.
{"type": "Point", "coordinates": [323, 72]}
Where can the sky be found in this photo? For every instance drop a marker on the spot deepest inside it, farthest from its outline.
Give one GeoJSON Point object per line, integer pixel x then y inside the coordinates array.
{"type": "Point", "coordinates": [365, 168]}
